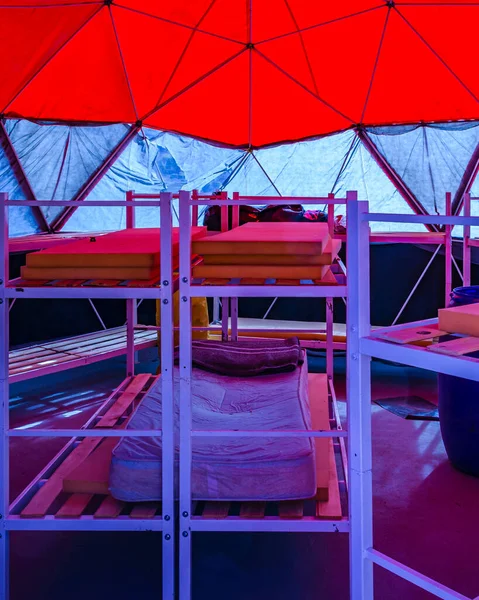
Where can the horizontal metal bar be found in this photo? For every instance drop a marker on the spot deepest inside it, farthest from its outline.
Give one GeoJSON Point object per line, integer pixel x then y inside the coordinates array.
{"type": "Point", "coordinates": [300, 433]}
{"type": "Point", "coordinates": [268, 291]}
{"type": "Point", "coordinates": [96, 432]}
{"type": "Point", "coordinates": [83, 523]}
{"type": "Point", "coordinates": [105, 293]}
{"type": "Point", "coordinates": [270, 524]}
{"type": "Point", "coordinates": [418, 579]}
{"type": "Point", "coordinates": [262, 200]}
{"type": "Point", "coordinates": [416, 356]}
{"type": "Point", "coordinates": [77, 204]}
{"type": "Point", "coordinates": [425, 219]}
{"type": "Point", "coordinates": [217, 328]}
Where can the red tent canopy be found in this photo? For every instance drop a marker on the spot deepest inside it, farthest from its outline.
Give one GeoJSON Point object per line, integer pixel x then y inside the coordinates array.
{"type": "Point", "coordinates": [240, 72]}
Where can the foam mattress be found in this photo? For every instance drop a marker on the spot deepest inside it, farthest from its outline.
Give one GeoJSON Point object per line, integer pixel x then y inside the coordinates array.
{"type": "Point", "coordinates": [125, 248]}
{"type": "Point", "coordinates": [235, 468]}
{"type": "Point", "coordinates": [266, 239]}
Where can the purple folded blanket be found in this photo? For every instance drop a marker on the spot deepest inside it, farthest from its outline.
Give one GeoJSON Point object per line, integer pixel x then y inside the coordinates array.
{"type": "Point", "coordinates": [246, 358]}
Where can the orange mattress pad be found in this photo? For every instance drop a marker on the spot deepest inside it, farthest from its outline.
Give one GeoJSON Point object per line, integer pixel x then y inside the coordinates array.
{"type": "Point", "coordinates": [126, 248]}
{"type": "Point", "coordinates": [266, 239]}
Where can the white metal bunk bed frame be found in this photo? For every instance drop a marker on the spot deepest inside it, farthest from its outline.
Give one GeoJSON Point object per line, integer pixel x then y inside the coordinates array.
{"type": "Point", "coordinates": [10, 519]}
{"type": "Point", "coordinates": [371, 345]}
{"type": "Point", "coordinates": [361, 347]}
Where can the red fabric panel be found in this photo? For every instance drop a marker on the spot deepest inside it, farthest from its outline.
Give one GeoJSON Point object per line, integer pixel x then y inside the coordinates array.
{"type": "Point", "coordinates": [48, 3]}
{"type": "Point", "coordinates": [63, 62]}
{"type": "Point", "coordinates": [335, 61]}
{"type": "Point", "coordinates": [216, 108]}
{"type": "Point", "coordinates": [84, 82]}
{"type": "Point", "coordinates": [411, 84]}
{"type": "Point", "coordinates": [203, 55]}
{"type": "Point", "coordinates": [29, 38]}
{"type": "Point", "coordinates": [185, 12]}
{"type": "Point", "coordinates": [264, 27]}
{"type": "Point", "coordinates": [273, 111]}
{"type": "Point", "coordinates": [228, 19]}
{"type": "Point", "coordinates": [451, 31]}
{"type": "Point", "coordinates": [151, 50]}
{"type": "Point", "coordinates": [309, 13]}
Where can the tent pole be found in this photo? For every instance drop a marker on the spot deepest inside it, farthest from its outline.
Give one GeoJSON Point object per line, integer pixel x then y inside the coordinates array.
{"type": "Point", "coordinates": [22, 179]}
{"type": "Point", "coordinates": [391, 174]}
{"type": "Point", "coordinates": [60, 221]}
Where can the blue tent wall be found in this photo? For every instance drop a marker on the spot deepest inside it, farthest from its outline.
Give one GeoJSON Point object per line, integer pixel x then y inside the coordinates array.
{"type": "Point", "coordinates": [58, 160]}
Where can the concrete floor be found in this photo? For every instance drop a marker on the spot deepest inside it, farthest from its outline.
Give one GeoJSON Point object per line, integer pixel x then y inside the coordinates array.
{"type": "Point", "coordinates": [425, 514]}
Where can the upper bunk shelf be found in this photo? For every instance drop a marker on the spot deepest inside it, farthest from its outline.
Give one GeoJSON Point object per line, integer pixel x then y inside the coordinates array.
{"type": "Point", "coordinates": [422, 344]}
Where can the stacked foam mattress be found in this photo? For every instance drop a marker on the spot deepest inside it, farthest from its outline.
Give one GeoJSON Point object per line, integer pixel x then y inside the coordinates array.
{"type": "Point", "coordinates": [126, 254]}
{"type": "Point", "coordinates": [269, 250]}
{"type": "Point", "coordinates": [236, 468]}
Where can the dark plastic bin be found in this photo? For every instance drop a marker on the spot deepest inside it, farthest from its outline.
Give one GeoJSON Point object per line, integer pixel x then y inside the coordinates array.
{"type": "Point", "coordinates": [459, 405]}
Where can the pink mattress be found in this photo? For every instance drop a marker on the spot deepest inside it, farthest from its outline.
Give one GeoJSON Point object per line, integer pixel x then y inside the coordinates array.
{"type": "Point", "coordinates": [226, 468]}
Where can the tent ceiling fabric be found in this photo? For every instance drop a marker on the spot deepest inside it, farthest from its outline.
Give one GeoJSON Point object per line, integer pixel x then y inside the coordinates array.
{"type": "Point", "coordinates": [237, 72]}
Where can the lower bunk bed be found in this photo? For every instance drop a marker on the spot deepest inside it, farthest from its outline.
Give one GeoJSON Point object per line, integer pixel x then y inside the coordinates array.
{"type": "Point", "coordinates": [77, 483]}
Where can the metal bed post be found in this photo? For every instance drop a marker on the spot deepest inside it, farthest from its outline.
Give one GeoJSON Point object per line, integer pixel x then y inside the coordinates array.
{"type": "Point", "coordinates": [448, 250]}
{"type": "Point", "coordinates": [359, 402]}
{"type": "Point", "coordinates": [131, 310]}
{"type": "Point", "coordinates": [225, 301]}
{"type": "Point", "coordinates": [167, 394]}
{"type": "Point", "coordinates": [234, 301]}
{"type": "Point", "coordinates": [466, 248]}
{"type": "Point", "coordinates": [4, 401]}
{"type": "Point", "coordinates": [330, 307]}
{"type": "Point", "coordinates": [194, 208]}
{"type": "Point", "coordinates": [185, 505]}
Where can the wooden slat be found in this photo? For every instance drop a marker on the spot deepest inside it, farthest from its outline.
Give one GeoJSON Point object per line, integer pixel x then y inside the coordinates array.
{"type": "Point", "coordinates": [291, 509]}
{"type": "Point", "coordinates": [318, 401]}
{"type": "Point", "coordinates": [109, 508]}
{"type": "Point", "coordinates": [103, 282]}
{"type": "Point", "coordinates": [145, 510]}
{"type": "Point", "coordinates": [456, 347]}
{"type": "Point", "coordinates": [74, 506]}
{"type": "Point", "coordinates": [39, 504]}
{"type": "Point", "coordinates": [93, 474]}
{"type": "Point", "coordinates": [288, 282]}
{"type": "Point", "coordinates": [411, 334]}
{"type": "Point", "coordinates": [331, 508]}
{"type": "Point", "coordinates": [252, 510]}
{"type": "Point", "coordinates": [216, 510]}
{"type": "Point", "coordinates": [53, 359]}
{"type": "Point", "coordinates": [251, 281]}
{"type": "Point", "coordinates": [124, 401]}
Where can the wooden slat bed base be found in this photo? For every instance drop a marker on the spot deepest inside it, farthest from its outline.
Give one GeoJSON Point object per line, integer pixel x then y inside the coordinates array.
{"type": "Point", "coordinates": [124, 401]}
{"type": "Point", "coordinates": [461, 344]}
{"type": "Point", "coordinates": [330, 508]}
{"type": "Point", "coordinates": [145, 510]}
{"type": "Point", "coordinates": [74, 506]}
{"type": "Point", "coordinates": [77, 460]}
{"type": "Point", "coordinates": [56, 356]}
{"type": "Point", "coordinates": [109, 508]}
{"type": "Point", "coordinates": [252, 510]}
{"type": "Point", "coordinates": [78, 499]}
{"type": "Point", "coordinates": [216, 510]}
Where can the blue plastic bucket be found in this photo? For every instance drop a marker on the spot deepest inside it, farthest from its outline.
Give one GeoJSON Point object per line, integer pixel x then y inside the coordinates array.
{"type": "Point", "coordinates": [459, 405]}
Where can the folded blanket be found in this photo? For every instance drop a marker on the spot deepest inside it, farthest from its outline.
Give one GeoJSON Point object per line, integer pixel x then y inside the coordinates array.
{"type": "Point", "coordinates": [246, 358]}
